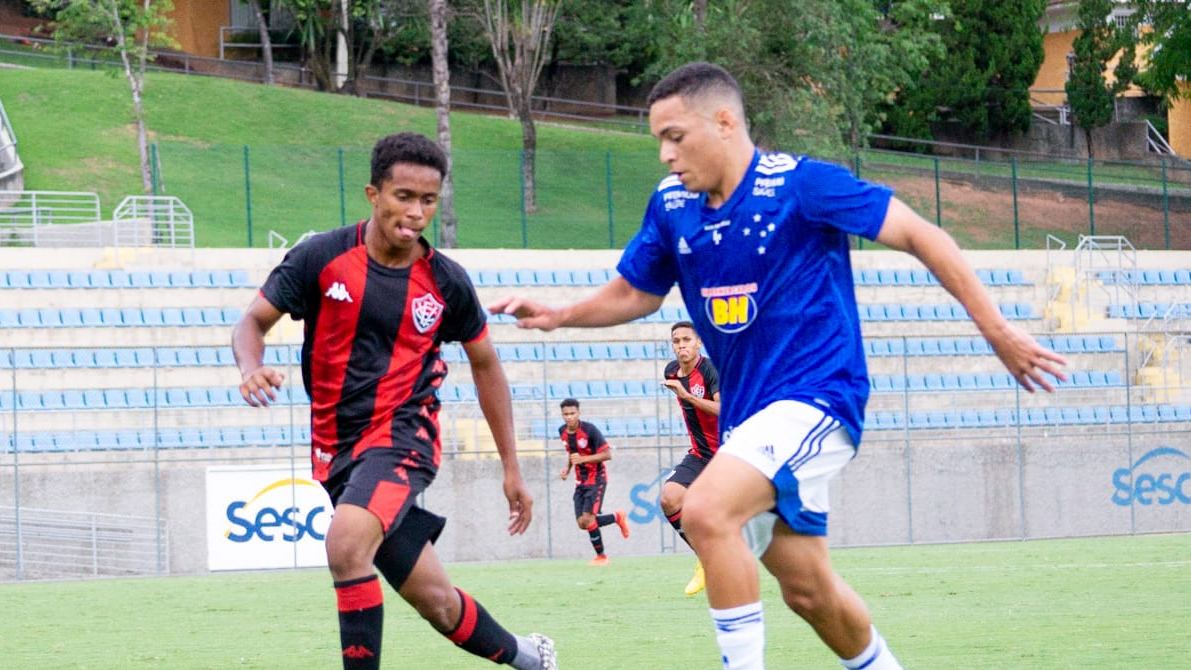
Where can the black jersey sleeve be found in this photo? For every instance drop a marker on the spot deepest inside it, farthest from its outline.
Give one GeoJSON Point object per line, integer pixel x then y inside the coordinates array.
{"type": "Point", "coordinates": [285, 287]}
{"type": "Point", "coordinates": [711, 377]}
{"type": "Point", "coordinates": [595, 439]}
{"type": "Point", "coordinates": [464, 319]}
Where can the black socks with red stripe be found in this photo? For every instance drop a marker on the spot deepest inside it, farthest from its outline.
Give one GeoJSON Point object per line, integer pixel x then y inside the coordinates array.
{"type": "Point", "coordinates": [478, 633]}
{"type": "Point", "coordinates": [675, 520]}
{"type": "Point", "coordinates": [361, 617]}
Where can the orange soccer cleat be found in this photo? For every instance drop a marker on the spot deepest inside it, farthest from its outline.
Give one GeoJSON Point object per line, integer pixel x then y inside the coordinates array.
{"type": "Point", "coordinates": [623, 522]}
{"type": "Point", "coordinates": [599, 560]}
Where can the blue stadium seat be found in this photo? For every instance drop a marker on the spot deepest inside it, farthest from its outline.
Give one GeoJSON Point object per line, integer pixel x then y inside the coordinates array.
{"type": "Point", "coordinates": [29, 318]}
{"type": "Point", "coordinates": [240, 279]}
{"type": "Point", "coordinates": [9, 318]}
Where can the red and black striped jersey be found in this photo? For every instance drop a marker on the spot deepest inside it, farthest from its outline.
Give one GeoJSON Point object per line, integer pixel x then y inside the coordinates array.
{"type": "Point", "coordinates": [370, 357]}
{"type": "Point", "coordinates": [703, 382]}
{"type": "Point", "coordinates": [585, 441]}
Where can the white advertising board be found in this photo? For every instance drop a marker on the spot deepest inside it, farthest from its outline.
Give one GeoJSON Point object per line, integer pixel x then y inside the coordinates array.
{"type": "Point", "coordinates": [265, 516]}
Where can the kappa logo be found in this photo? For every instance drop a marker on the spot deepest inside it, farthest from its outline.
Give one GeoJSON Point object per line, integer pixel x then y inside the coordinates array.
{"type": "Point", "coordinates": [338, 292]}
{"type": "Point", "coordinates": [357, 651]}
{"type": "Point", "coordinates": [426, 312]}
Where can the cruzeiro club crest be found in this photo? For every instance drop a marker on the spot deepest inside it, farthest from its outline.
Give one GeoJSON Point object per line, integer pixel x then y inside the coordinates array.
{"type": "Point", "coordinates": [426, 312]}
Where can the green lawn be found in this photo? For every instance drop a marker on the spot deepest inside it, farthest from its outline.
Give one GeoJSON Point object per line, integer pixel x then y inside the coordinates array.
{"type": "Point", "coordinates": [1090, 603]}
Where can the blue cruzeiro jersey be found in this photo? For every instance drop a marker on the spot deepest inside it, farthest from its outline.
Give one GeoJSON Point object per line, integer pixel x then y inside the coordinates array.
{"type": "Point", "coordinates": [767, 280]}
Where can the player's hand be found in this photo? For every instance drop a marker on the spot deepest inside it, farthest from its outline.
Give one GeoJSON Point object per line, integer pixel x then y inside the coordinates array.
{"type": "Point", "coordinates": [520, 504]}
{"type": "Point", "coordinates": [1028, 361]}
{"type": "Point", "coordinates": [565, 473]}
{"type": "Point", "coordinates": [675, 387]}
{"type": "Point", "coordinates": [259, 387]}
{"type": "Point", "coordinates": [529, 314]}
{"type": "Point", "coordinates": [576, 459]}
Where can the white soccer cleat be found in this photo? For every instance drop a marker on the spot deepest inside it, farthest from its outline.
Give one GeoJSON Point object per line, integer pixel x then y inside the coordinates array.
{"type": "Point", "coordinates": [545, 651]}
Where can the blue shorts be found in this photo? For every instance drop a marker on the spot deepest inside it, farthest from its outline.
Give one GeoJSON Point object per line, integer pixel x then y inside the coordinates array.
{"type": "Point", "coordinates": [800, 448]}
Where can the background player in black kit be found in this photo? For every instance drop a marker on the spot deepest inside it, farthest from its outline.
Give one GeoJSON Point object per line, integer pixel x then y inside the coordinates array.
{"type": "Point", "coordinates": [694, 380]}
{"type": "Point", "coordinates": [378, 302]}
{"type": "Point", "coordinates": [587, 451]}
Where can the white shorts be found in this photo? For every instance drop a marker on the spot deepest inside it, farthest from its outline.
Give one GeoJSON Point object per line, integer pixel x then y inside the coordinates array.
{"type": "Point", "coordinates": [799, 448]}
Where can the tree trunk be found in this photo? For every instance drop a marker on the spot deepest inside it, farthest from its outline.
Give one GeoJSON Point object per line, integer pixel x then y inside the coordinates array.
{"type": "Point", "coordinates": [442, 112]}
{"type": "Point", "coordinates": [262, 27]}
{"type": "Point", "coordinates": [1087, 137]}
{"type": "Point", "coordinates": [136, 81]}
{"type": "Point", "coordinates": [529, 145]}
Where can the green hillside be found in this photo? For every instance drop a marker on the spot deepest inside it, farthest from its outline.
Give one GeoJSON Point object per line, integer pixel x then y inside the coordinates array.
{"type": "Point", "coordinates": [290, 161]}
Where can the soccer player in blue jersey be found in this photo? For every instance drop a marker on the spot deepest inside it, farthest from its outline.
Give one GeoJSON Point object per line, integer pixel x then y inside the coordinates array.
{"type": "Point", "coordinates": [378, 303]}
{"type": "Point", "coordinates": [758, 245]}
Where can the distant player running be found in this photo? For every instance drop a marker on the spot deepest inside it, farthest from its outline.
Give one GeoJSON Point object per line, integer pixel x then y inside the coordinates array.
{"type": "Point", "coordinates": [587, 451]}
{"type": "Point", "coordinates": [694, 380]}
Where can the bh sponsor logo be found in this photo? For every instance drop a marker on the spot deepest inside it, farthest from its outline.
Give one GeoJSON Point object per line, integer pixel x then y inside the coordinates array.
{"type": "Point", "coordinates": [730, 309]}
{"type": "Point", "coordinates": [1160, 477]}
{"type": "Point", "coordinates": [270, 515]}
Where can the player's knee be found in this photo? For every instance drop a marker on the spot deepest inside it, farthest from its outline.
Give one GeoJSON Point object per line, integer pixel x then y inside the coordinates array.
{"type": "Point", "coordinates": [437, 604]}
{"type": "Point", "coordinates": [347, 561]}
{"type": "Point", "coordinates": [702, 519]}
{"type": "Point", "coordinates": [584, 522]}
{"type": "Point", "coordinates": [671, 500]}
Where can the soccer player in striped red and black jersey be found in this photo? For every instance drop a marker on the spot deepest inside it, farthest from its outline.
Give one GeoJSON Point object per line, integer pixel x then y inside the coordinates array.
{"type": "Point", "coordinates": [694, 380]}
{"type": "Point", "coordinates": [587, 451]}
{"type": "Point", "coordinates": [378, 302]}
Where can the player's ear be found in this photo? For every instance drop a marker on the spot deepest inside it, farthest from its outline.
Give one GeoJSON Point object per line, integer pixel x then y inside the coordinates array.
{"type": "Point", "coordinates": [726, 121]}
{"type": "Point", "coordinates": [370, 191]}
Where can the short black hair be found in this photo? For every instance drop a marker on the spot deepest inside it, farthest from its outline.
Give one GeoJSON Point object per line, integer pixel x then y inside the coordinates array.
{"type": "Point", "coordinates": [694, 79]}
{"type": "Point", "coordinates": [683, 324]}
{"type": "Point", "coordinates": [405, 148]}
{"type": "Point", "coordinates": [569, 402]}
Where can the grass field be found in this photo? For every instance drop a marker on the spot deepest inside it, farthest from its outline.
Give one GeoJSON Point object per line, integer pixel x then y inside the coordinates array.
{"type": "Point", "coordinates": [1089, 603]}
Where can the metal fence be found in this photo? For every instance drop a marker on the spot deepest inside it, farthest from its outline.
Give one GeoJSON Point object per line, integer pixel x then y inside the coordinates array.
{"type": "Point", "coordinates": [140, 439]}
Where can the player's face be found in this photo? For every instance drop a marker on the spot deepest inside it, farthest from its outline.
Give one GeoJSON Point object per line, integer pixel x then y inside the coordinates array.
{"type": "Point", "coordinates": [690, 143]}
{"type": "Point", "coordinates": [405, 203]}
{"type": "Point", "coordinates": [686, 345]}
{"type": "Point", "coordinates": [570, 415]}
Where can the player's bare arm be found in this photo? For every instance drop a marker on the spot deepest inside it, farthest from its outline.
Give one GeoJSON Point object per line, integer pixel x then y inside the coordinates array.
{"type": "Point", "coordinates": [258, 382]}
{"type": "Point", "coordinates": [1027, 360]}
{"type": "Point", "coordinates": [597, 457]}
{"type": "Point", "coordinates": [492, 391]}
{"type": "Point", "coordinates": [613, 303]}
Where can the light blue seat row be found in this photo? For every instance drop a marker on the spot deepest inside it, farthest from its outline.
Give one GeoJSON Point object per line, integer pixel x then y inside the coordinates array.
{"type": "Point", "coordinates": [138, 398]}
{"type": "Point", "coordinates": [91, 317]}
{"type": "Point", "coordinates": [487, 278]}
{"type": "Point", "coordinates": [126, 279]}
{"type": "Point", "coordinates": [978, 346]}
{"type": "Point", "coordinates": [1147, 277]}
{"type": "Point", "coordinates": [148, 438]}
{"type": "Point", "coordinates": [141, 357]}
{"type": "Point", "coordinates": [594, 389]}
{"type": "Point", "coordinates": [1034, 416]}
{"type": "Point", "coordinates": [569, 351]}
{"type": "Point", "coordinates": [923, 277]}
{"type": "Point", "coordinates": [1146, 310]}
{"type": "Point", "coordinates": [985, 381]}
{"type": "Point", "coordinates": [943, 312]}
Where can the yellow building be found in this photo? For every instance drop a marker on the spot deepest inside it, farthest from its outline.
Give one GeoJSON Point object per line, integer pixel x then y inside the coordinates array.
{"type": "Point", "coordinates": [1048, 89]}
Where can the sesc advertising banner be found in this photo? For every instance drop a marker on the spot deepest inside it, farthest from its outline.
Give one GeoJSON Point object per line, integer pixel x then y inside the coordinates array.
{"type": "Point", "coordinates": [265, 516]}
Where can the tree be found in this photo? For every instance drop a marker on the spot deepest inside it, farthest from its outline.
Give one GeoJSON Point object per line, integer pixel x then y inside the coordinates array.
{"type": "Point", "coordinates": [262, 27]}
{"type": "Point", "coordinates": [519, 33]}
{"type": "Point", "coordinates": [361, 27]}
{"type": "Point", "coordinates": [1169, 42]}
{"type": "Point", "coordinates": [131, 27]}
{"type": "Point", "coordinates": [1091, 97]}
{"type": "Point", "coordinates": [812, 73]}
{"type": "Point", "coordinates": [992, 54]}
{"type": "Point", "coordinates": [442, 112]}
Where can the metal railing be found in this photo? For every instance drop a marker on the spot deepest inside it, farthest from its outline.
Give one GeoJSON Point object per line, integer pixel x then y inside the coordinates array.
{"type": "Point", "coordinates": [42, 542]}
{"type": "Point", "coordinates": [153, 220]}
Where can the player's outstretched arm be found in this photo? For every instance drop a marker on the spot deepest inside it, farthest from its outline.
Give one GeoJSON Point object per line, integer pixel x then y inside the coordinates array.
{"type": "Point", "coordinates": [1028, 361]}
{"type": "Point", "coordinates": [258, 382]}
{"type": "Point", "coordinates": [492, 390]}
{"type": "Point", "coordinates": [613, 303]}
